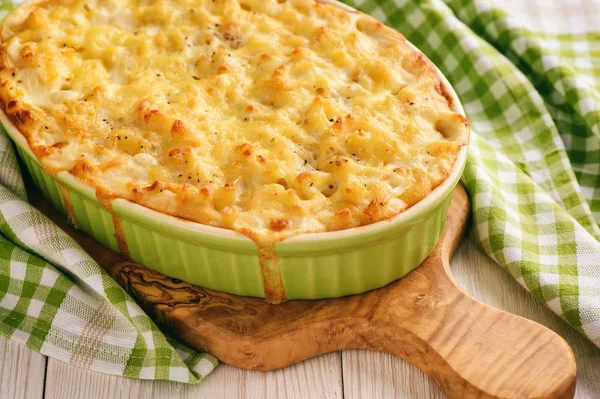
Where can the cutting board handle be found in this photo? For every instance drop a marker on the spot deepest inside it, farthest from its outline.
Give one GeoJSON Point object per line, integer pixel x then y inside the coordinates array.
{"type": "Point", "coordinates": [468, 348]}
{"type": "Point", "coordinates": [472, 350]}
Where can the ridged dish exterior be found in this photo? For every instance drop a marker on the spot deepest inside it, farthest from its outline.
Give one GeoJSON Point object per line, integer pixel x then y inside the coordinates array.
{"type": "Point", "coordinates": [91, 217]}
{"type": "Point", "coordinates": [309, 270]}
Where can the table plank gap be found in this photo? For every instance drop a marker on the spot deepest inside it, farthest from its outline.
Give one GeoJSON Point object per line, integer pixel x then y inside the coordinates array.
{"type": "Point", "coordinates": [21, 371]}
{"type": "Point", "coordinates": [342, 369]}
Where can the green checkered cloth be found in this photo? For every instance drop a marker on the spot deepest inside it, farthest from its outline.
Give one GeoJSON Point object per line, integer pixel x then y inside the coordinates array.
{"type": "Point", "coordinates": [530, 82]}
{"type": "Point", "coordinates": [528, 74]}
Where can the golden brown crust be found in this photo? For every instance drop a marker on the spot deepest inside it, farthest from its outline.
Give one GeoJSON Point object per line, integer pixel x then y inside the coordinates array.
{"type": "Point", "coordinates": [269, 118]}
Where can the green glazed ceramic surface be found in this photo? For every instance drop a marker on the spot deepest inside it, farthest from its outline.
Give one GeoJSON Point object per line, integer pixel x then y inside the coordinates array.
{"type": "Point", "coordinates": [320, 265]}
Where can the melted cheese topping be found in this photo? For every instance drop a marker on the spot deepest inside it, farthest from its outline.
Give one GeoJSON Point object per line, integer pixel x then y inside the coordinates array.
{"type": "Point", "coordinates": [272, 118]}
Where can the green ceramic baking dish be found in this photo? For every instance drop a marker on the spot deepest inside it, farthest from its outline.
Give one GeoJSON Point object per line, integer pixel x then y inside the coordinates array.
{"type": "Point", "coordinates": [319, 265]}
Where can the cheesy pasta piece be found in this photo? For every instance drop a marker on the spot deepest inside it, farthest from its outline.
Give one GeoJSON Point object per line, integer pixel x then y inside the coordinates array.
{"type": "Point", "coordinates": [268, 117]}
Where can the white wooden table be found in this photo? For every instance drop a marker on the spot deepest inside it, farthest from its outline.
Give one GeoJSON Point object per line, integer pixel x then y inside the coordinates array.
{"type": "Point", "coordinates": [348, 374]}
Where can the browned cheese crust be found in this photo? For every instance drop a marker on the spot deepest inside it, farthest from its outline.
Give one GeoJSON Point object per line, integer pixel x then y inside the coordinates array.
{"type": "Point", "coordinates": [271, 118]}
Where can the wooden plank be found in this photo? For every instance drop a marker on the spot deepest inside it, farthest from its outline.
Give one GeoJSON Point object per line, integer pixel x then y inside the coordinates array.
{"type": "Point", "coordinates": [372, 374]}
{"type": "Point", "coordinates": [64, 380]}
{"type": "Point", "coordinates": [22, 371]}
{"type": "Point", "coordinates": [315, 378]}
{"type": "Point", "coordinates": [319, 377]}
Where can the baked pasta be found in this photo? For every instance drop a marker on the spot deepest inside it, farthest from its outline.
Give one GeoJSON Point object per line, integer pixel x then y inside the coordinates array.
{"type": "Point", "coordinates": [271, 118]}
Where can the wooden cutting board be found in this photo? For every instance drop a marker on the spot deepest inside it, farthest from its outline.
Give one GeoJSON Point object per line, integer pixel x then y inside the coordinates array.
{"type": "Point", "coordinates": [468, 348]}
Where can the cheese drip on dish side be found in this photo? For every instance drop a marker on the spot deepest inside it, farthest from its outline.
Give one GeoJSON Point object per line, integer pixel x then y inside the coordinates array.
{"type": "Point", "coordinates": [271, 118]}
